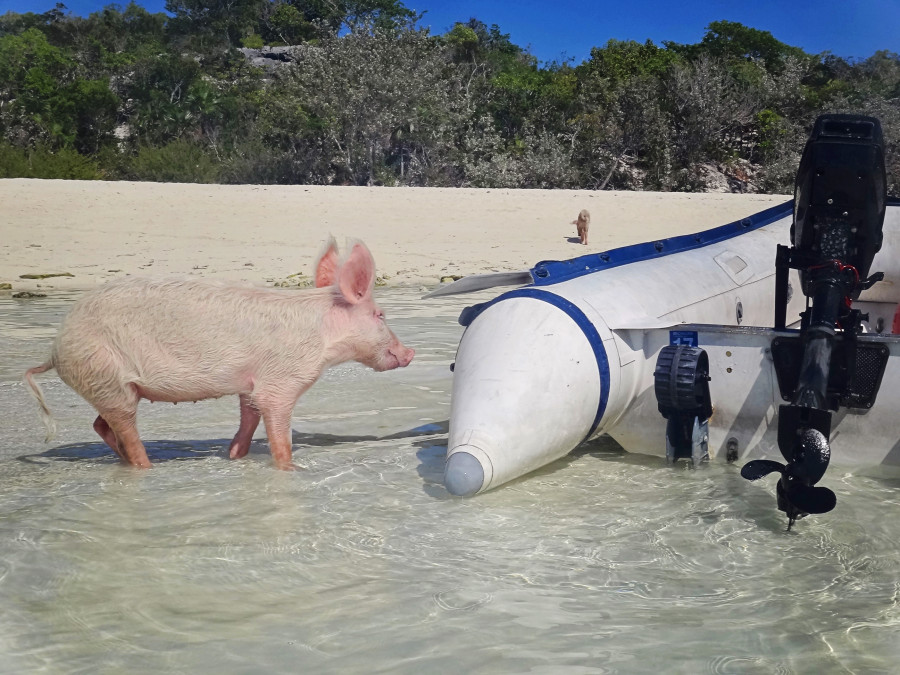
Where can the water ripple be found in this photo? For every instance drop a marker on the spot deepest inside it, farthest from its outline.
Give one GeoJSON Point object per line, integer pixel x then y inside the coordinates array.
{"type": "Point", "coordinates": [360, 561]}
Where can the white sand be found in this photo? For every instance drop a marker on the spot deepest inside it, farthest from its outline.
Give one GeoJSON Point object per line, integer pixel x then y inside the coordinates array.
{"type": "Point", "coordinates": [98, 231]}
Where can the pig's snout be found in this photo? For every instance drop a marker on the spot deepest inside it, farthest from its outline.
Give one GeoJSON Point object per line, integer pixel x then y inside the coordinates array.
{"type": "Point", "coordinates": [397, 355]}
{"type": "Point", "coordinates": [404, 356]}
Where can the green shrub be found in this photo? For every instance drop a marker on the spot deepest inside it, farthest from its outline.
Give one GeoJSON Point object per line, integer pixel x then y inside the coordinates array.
{"type": "Point", "coordinates": [178, 162]}
{"type": "Point", "coordinates": [13, 162]}
{"type": "Point", "coordinates": [41, 162]}
{"type": "Point", "coordinates": [253, 41]}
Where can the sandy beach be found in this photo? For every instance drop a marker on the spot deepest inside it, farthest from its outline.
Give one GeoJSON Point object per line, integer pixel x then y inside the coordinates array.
{"type": "Point", "coordinates": [96, 231]}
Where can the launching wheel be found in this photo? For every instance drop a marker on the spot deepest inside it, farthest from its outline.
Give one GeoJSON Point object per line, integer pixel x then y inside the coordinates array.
{"type": "Point", "coordinates": [681, 384]}
{"type": "Point", "coordinates": [681, 380]}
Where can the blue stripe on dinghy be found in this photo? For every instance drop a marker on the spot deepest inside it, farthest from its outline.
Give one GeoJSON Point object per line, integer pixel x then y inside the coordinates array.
{"type": "Point", "coordinates": [554, 271]}
{"type": "Point", "coordinates": [588, 328]}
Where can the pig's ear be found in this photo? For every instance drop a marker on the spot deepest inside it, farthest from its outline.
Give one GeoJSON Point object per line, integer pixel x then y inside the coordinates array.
{"type": "Point", "coordinates": [356, 277]}
{"type": "Point", "coordinates": [327, 264]}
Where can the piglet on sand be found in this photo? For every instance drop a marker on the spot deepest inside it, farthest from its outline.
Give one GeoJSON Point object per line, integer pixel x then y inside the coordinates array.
{"type": "Point", "coordinates": [582, 223]}
{"type": "Point", "coordinates": [188, 340]}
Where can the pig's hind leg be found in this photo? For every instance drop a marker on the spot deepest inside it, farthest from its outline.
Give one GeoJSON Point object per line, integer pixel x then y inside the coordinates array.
{"type": "Point", "coordinates": [106, 433]}
{"type": "Point", "coordinates": [240, 446]}
{"type": "Point", "coordinates": [99, 381]}
{"type": "Point", "coordinates": [123, 426]}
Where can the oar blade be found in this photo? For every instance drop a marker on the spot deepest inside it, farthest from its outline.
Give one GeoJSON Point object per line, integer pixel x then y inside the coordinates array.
{"type": "Point", "coordinates": [479, 282]}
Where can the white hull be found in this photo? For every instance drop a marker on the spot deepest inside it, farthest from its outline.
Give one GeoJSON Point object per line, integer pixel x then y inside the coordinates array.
{"type": "Point", "coordinates": [542, 368]}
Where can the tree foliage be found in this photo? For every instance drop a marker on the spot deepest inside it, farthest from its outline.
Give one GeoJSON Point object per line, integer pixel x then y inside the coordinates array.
{"type": "Point", "coordinates": [364, 96]}
{"type": "Point", "coordinates": [373, 102]}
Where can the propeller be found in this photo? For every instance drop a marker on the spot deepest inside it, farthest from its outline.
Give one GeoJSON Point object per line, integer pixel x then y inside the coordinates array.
{"type": "Point", "coordinates": [797, 494]}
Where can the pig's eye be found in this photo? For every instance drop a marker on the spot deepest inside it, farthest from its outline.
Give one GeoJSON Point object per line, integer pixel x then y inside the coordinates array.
{"type": "Point", "coordinates": [379, 315]}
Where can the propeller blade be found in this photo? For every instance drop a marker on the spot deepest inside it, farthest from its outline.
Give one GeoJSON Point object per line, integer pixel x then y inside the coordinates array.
{"type": "Point", "coordinates": [811, 499]}
{"type": "Point", "coordinates": [811, 457]}
{"type": "Point", "coordinates": [757, 468]}
{"type": "Point", "coordinates": [479, 282]}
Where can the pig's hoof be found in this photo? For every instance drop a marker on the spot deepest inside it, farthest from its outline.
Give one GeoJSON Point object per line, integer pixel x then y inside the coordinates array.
{"type": "Point", "coordinates": [238, 452]}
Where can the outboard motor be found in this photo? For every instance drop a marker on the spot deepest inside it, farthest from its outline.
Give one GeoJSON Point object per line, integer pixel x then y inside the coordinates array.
{"type": "Point", "coordinates": [839, 206]}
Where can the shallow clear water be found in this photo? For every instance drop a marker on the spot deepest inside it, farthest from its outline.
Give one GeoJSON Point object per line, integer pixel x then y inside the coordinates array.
{"type": "Point", "coordinates": [360, 562]}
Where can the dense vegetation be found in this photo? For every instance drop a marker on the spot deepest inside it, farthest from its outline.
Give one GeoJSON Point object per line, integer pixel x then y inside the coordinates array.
{"type": "Point", "coordinates": [368, 97]}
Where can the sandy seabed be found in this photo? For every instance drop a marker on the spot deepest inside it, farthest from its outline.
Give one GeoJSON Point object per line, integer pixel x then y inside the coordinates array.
{"type": "Point", "coordinates": [97, 231]}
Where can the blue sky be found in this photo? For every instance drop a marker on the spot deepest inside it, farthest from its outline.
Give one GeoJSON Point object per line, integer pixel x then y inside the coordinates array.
{"type": "Point", "coordinates": [568, 30]}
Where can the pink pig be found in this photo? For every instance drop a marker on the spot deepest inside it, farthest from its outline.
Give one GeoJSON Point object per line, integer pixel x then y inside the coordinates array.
{"type": "Point", "coordinates": [188, 340]}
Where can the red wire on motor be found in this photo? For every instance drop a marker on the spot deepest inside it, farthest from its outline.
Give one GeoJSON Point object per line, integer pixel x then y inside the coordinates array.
{"type": "Point", "coordinates": [847, 301]}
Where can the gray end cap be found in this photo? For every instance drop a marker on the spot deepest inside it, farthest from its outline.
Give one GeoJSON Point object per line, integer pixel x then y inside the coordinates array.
{"type": "Point", "coordinates": [463, 475]}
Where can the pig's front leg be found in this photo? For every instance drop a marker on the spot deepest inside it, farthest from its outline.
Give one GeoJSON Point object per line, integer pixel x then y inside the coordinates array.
{"type": "Point", "coordinates": [240, 446]}
{"type": "Point", "coordinates": [276, 408]}
{"type": "Point", "coordinates": [278, 429]}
